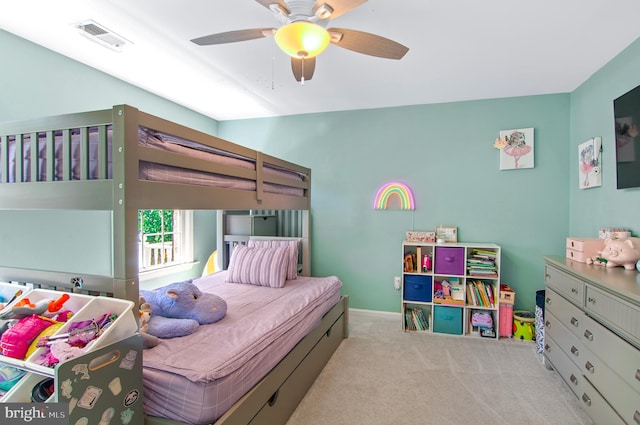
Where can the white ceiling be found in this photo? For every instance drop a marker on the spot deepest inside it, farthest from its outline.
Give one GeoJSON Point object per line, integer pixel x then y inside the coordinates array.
{"type": "Point", "coordinates": [459, 50]}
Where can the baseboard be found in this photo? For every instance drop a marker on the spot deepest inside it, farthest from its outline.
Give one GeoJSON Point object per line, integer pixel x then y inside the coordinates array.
{"type": "Point", "coordinates": [375, 313]}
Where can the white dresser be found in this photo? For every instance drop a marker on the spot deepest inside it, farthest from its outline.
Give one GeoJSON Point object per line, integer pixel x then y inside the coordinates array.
{"type": "Point", "coordinates": [592, 336]}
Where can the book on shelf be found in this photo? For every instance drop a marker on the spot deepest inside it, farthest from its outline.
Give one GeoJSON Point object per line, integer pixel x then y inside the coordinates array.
{"type": "Point", "coordinates": [480, 294]}
{"type": "Point", "coordinates": [415, 319]}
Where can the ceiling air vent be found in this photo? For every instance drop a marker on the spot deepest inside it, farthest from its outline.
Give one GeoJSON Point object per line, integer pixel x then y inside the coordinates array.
{"type": "Point", "coordinates": [101, 35]}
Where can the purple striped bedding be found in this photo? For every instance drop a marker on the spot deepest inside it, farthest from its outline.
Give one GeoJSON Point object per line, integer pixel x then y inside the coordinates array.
{"type": "Point", "coordinates": [196, 378]}
{"type": "Point", "coordinates": [147, 170]}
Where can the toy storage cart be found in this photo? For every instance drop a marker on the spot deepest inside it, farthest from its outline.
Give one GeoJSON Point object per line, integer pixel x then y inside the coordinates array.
{"type": "Point", "coordinates": [105, 385]}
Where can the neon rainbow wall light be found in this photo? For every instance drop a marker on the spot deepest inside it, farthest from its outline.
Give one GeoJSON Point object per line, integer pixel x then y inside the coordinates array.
{"type": "Point", "coordinates": [389, 190]}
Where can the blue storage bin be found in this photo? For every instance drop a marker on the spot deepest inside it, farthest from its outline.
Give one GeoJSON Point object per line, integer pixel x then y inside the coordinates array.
{"type": "Point", "coordinates": [418, 288]}
{"type": "Point", "coordinates": [447, 320]}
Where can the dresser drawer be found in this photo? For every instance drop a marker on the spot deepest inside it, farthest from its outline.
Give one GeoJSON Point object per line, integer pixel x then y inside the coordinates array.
{"type": "Point", "coordinates": [622, 357]}
{"type": "Point", "coordinates": [565, 284]}
{"type": "Point", "coordinates": [568, 314]}
{"type": "Point", "coordinates": [568, 342]}
{"type": "Point", "coordinates": [624, 399]}
{"type": "Point", "coordinates": [615, 311]}
{"type": "Point", "coordinates": [562, 364]}
{"type": "Point", "coordinates": [618, 393]}
{"type": "Point", "coordinates": [596, 406]}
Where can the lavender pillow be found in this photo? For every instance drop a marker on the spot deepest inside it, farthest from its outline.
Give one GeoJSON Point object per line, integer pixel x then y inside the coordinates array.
{"type": "Point", "coordinates": [292, 258]}
{"type": "Point", "coordinates": [258, 266]}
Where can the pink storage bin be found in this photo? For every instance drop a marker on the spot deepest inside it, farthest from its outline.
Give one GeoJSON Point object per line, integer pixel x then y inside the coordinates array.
{"type": "Point", "coordinates": [505, 327]}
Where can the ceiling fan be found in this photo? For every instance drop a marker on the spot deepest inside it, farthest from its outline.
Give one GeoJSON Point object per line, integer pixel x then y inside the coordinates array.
{"type": "Point", "coordinates": [302, 34]}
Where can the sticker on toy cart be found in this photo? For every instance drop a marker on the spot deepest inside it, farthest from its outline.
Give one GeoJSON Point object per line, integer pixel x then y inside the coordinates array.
{"type": "Point", "coordinates": [66, 388]}
{"type": "Point", "coordinates": [90, 397]}
{"type": "Point", "coordinates": [115, 386]}
{"type": "Point", "coordinates": [126, 416]}
{"type": "Point", "coordinates": [131, 397]}
{"type": "Point", "coordinates": [82, 369]}
{"type": "Point", "coordinates": [106, 417]}
{"type": "Point", "coordinates": [129, 360]}
{"type": "Point", "coordinates": [72, 404]}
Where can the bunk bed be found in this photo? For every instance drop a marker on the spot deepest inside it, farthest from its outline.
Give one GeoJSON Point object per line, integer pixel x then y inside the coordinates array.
{"type": "Point", "coordinates": [122, 160]}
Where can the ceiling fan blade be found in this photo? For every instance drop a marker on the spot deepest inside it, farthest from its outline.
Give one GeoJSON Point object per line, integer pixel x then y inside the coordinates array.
{"type": "Point", "coordinates": [278, 6]}
{"type": "Point", "coordinates": [233, 36]}
{"type": "Point", "coordinates": [340, 7]}
{"type": "Point", "coordinates": [367, 43]}
{"type": "Point", "coordinates": [303, 68]}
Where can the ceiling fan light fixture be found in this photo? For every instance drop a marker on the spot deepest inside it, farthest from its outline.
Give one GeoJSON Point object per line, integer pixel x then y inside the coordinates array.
{"type": "Point", "coordinates": [302, 39]}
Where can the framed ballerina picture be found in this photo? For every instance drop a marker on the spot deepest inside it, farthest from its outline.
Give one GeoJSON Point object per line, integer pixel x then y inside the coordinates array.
{"type": "Point", "coordinates": [589, 163]}
{"type": "Point", "coordinates": [516, 151]}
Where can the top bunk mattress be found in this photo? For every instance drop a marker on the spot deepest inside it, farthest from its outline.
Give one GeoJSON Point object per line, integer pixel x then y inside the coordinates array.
{"type": "Point", "coordinates": [196, 378]}
{"type": "Point", "coordinates": [86, 154]}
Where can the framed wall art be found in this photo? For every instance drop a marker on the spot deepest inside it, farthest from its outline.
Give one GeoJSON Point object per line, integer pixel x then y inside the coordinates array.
{"type": "Point", "coordinates": [518, 150]}
{"type": "Point", "coordinates": [589, 163]}
{"type": "Point", "coordinates": [447, 233]}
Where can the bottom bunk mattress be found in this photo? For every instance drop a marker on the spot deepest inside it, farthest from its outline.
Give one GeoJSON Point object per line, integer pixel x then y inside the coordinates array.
{"type": "Point", "coordinates": [196, 378]}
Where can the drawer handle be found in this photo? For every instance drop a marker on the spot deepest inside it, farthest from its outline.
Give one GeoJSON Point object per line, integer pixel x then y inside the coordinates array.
{"type": "Point", "coordinates": [636, 417]}
{"type": "Point", "coordinates": [589, 367]}
{"type": "Point", "coordinates": [592, 300]}
{"type": "Point", "coordinates": [586, 399]}
{"type": "Point", "coordinates": [638, 374]}
{"type": "Point", "coordinates": [547, 324]}
{"type": "Point", "coordinates": [588, 335]}
{"type": "Point", "coordinates": [574, 291]}
{"type": "Point", "coordinates": [574, 322]}
{"type": "Point", "coordinates": [575, 351]}
{"type": "Point", "coordinates": [548, 300]}
{"type": "Point", "coordinates": [573, 379]}
{"type": "Point", "coordinates": [547, 347]}
{"type": "Point", "coordinates": [274, 398]}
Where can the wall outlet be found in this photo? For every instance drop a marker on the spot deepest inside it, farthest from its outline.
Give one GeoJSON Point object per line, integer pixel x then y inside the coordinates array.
{"type": "Point", "coordinates": [396, 282]}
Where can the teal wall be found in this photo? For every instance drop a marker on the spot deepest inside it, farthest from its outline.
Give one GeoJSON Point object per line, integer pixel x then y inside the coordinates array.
{"type": "Point", "coordinates": [445, 154]}
{"type": "Point", "coordinates": [34, 82]}
{"type": "Point", "coordinates": [591, 116]}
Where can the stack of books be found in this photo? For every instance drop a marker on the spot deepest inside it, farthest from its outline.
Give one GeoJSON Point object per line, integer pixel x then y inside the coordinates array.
{"type": "Point", "coordinates": [482, 263]}
{"type": "Point", "coordinates": [480, 294]}
{"type": "Point", "coordinates": [415, 319]}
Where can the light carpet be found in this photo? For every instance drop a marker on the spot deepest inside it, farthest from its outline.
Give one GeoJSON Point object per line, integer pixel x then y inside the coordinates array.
{"type": "Point", "coordinates": [382, 375]}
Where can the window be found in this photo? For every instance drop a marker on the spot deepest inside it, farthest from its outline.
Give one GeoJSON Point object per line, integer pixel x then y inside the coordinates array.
{"type": "Point", "coordinates": [166, 238]}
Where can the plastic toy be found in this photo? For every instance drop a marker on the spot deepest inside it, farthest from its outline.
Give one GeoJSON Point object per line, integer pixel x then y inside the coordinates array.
{"type": "Point", "coordinates": [426, 263]}
{"type": "Point", "coordinates": [56, 305]}
{"type": "Point", "coordinates": [524, 325]}
{"type": "Point", "coordinates": [148, 341]}
{"type": "Point", "coordinates": [180, 308]}
{"type": "Point", "coordinates": [25, 308]}
{"type": "Point", "coordinates": [16, 340]}
{"type": "Point", "coordinates": [621, 252]}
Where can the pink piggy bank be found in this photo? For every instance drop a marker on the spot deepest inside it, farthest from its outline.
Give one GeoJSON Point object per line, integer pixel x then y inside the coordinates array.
{"type": "Point", "coordinates": [621, 252]}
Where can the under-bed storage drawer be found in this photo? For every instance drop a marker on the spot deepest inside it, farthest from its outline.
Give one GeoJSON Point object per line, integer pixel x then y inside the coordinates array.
{"type": "Point", "coordinates": [285, 400]}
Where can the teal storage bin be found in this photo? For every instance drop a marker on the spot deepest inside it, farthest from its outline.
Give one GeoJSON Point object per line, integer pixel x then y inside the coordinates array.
{"type": "Point", "coordinates": [447, 320]}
